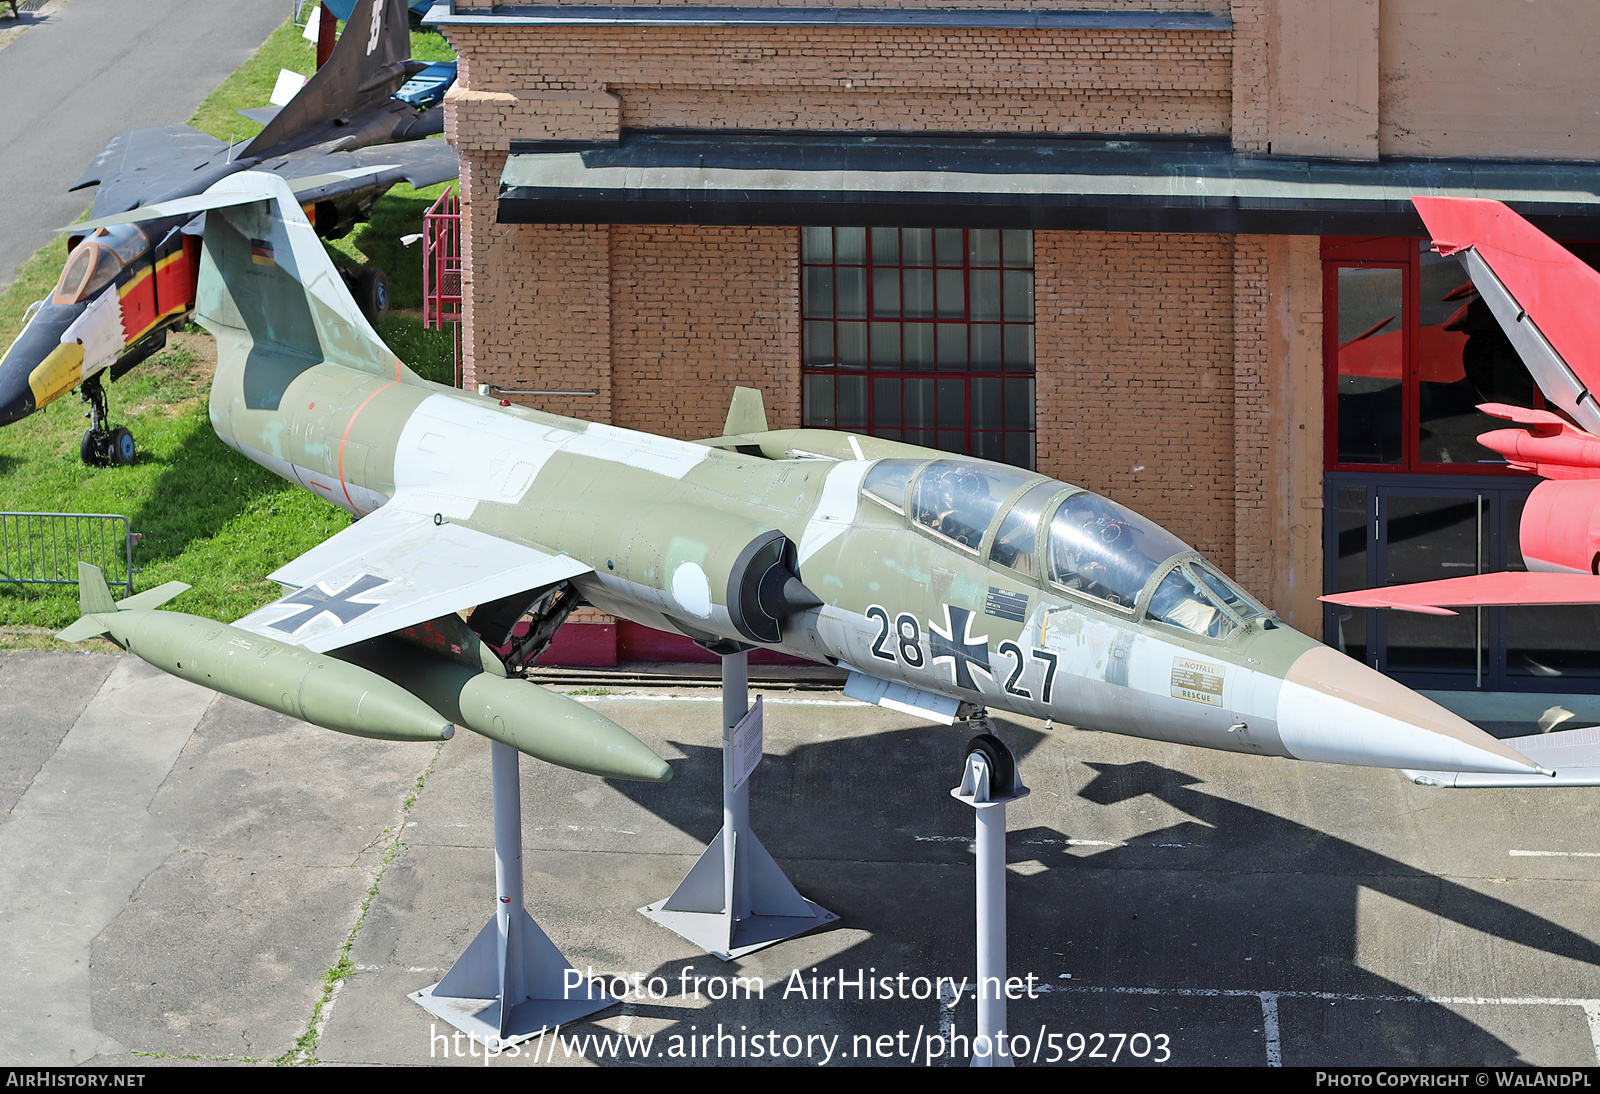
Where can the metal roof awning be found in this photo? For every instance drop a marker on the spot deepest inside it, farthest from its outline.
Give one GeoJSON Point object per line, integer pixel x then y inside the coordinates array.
{"type": "Point", "coordinates": [723, 177]}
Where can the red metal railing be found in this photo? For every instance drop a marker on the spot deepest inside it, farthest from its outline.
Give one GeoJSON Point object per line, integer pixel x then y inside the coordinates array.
{"type": "Point", "coordinates": [441, 268]}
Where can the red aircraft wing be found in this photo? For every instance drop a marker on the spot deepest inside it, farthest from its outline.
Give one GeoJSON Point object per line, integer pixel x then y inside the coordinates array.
{"type": "Point", "coordinates": [1479, 591]}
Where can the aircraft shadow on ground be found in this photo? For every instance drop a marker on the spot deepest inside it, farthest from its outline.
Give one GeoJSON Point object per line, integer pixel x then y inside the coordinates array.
{"type": "Point", "coordinates": [1233, 900]}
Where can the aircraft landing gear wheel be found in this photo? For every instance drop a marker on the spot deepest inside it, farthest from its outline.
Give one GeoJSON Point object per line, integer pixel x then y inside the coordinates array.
{"type": "Point", "coordinates": [1002, 765]}
{"type": "Point", "coordinates": [120, 447]}
{"type": "Point", "coordinates": [92, 449]}
{"type": "Point", "coordinates": [371, 291]}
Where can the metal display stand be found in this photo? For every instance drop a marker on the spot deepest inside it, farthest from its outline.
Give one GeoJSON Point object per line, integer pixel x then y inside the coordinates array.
{"type": "Point", "coordinates": [511, 959]}
{"type": "Point", "coordinates": [736, 899]}
{"type": "Point", "coordinates": [988, 783]}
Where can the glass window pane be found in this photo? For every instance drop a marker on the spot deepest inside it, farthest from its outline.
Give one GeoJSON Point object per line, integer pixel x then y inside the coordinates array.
{"type": "Point", "coordinates": [952, 404]}
{"type": "Point", "coordinates": [1019, 449]}
{"type": "Point", "coordinates": [818, 344]}
{"type": "Point", "coordinates": [886, 345]}
{"type": "Point", "coordinates": [1019, 346]}
{"type": "Point", "coordinates": [852, 412]}
{"type": "Point", "coordinates": [886, 293]}
{"type": "Point", "coordinates": [886, 246]}
{"type": "Point", "coordinates": [919, 294]}
{"type": "Point", "coordinates": [1464, 359]}
{"type": "Point", "coordinates": [850, 246]}
{"type": "Point", "coordinates": [816, 293]}
{"type": "Point", "coordinates": [916, 247]}
{"type": "Point", "coordinates": [1371, 360]}
{"type": "Point", "coordinates": [851, 292]}
{"type": "Point", "coordinates": [952, 345]}
{"type": "Point", "coordinates": [986, 295]}
{"type": "Point", "coordinates": [986, 351]}
{"type": "Point", "coordinates": [983, 247]}
{"type": "Point", "coordinates": [1182, 601]}
{"type": "Point", "coordinates": [986, 410]}
{"type": "Point", "coordinates": [952, 294]}
{"type": "Point", "coordinates": [989, 446]}
{"type": "Point", "coordinates": [949, 246]}
{"type": "Point", "coordinates": [1019, 296]}
{"type": "Point", "coordinates": [1018, 247]}
{"type": "Point", "coordinates": [818, 410]}
{"type": "Point", "coordinates": [1019, 404]}
{"type": "Point", "coordinates": [885, 402]}
{"type": "Point", "coordinates": [919, 407]}
{"type": "Point", "coordinates": [918, 338]}
{"type": "Point", "coordinates": [852, 344]}
{"type": "Point", "coordinates": [816, 244]}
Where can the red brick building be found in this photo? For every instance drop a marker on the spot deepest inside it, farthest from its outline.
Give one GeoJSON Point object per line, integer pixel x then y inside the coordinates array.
{"type": "Point", "coordinates": [1123, 242]}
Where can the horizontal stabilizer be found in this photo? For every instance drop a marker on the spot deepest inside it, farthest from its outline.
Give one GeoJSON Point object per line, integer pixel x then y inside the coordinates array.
{"type": "Point", "coordinates": [1499, 590]}
{"type": "Point", "coordinates": [261, 115]}
{"type": "Point", "coordinates": [1542, 295]}
{"type": "Point", "coordinates": [153, 598]}
{"type": "Point", "coordinates": [90, 626]}
{"type": "Point", "coordinates": [221, 196]}
{"type": "Point", "coordinates": [901, 697]}
{"type": "Point", "coordinates": [1573, 754]}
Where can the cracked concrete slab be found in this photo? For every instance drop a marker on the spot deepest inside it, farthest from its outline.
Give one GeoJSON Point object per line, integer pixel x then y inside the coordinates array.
{"type": "Point", "coordinates": [75, 847]}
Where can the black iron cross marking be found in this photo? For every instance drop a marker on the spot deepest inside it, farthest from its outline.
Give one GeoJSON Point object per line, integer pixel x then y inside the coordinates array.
{"type": "Point", "coordinates": [339, 603]}
{"type": "Point", "coordinates": [963, 651]}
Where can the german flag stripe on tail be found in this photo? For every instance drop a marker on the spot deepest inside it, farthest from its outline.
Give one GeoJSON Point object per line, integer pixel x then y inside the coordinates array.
{"type": "Point", "coordinates": [261, 252]}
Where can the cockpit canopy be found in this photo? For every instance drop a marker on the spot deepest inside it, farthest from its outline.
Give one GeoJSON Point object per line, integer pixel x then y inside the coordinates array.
{"type": "Point", "coordinates": [1053, 532]}
{"type": "Point", "coordinates": [97, 260]}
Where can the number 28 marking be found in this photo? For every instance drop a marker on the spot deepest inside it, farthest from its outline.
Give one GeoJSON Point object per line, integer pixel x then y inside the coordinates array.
{"type": "Point", "coordinates": [907, 640]}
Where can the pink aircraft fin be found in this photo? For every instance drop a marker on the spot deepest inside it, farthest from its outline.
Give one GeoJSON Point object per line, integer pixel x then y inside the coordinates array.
{"type": "Point", "coordinates": [1500, 590]}
{"type": "Point", "coordinates": [1546, 299]}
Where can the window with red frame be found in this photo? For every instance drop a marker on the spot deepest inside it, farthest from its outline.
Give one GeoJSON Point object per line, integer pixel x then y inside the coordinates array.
{"type": "Point", "coordinates": [922, 335]}
{"type": "Point", "coordinates": [1411, 350]}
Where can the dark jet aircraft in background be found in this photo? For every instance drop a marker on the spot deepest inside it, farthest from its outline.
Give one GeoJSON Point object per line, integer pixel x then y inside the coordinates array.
{"type": "Point", "coordinates": [126, 285]}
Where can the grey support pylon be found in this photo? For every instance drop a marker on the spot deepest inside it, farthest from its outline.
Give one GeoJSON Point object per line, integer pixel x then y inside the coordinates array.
{"type": "Point", "coordinates": [736, 899]}
{"type": "Point", "coordinates": [988, 791]}
{"type": "Point", "coordinates": [511, 983]}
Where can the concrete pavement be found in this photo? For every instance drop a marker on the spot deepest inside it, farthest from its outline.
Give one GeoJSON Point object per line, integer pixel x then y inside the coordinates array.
{"type": "Point", "coordinates": [1230, 909]}
{"type": "Point", "coordinates": [86, 70]}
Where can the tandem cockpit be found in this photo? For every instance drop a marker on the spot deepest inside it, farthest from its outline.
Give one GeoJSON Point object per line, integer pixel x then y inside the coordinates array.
{"type": "Point", "coordinates": [1062, 537]}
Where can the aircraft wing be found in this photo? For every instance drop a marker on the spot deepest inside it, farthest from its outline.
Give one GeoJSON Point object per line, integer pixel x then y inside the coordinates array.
{"type": "Point", "coordinates": [1542, 295]}
{"type": "Point", "coordinates": [1573, 754]}
{"type": "Point", "coordinates": [379, 166]}
{"type": "Point", "coordinates": [143, 164]}
{"type": "Point", "coordinates": [1501, 590]}
{"type": "Point", "coordinates": [394, 568]}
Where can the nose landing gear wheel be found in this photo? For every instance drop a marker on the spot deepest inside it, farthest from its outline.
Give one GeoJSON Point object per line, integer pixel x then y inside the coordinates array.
{"type": "Point", "coordinates": [92, 448]}
{"type": "Point", "coordinates": [120, 446]}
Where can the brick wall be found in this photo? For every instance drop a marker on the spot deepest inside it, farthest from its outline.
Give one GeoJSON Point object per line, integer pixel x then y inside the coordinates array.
{"type": "Point", "coordinates": [1068, 81]}
{"type": "Point", "coordinates": [1135, 397]}
{"type": "Point", "coordinates": [696, 312]}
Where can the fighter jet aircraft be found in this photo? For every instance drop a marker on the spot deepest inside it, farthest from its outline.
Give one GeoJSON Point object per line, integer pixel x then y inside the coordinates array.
{"type": "Point", "coordinates": [125, 286]}
{"type": "Point", "coordinates": [1543, 297]}
{"type": "Point", "coordinates": [944, 584]}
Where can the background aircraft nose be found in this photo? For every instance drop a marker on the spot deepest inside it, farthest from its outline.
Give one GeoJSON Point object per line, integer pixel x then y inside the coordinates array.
{"type": "Point", "coordinates": [1337, 710]}
{"type": "Point", "coordinates": [16, 397]}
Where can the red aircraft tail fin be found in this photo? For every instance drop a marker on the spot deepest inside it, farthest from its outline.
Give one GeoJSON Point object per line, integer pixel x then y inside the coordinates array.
{"type": "Point", "coordinates": [1546, 299]}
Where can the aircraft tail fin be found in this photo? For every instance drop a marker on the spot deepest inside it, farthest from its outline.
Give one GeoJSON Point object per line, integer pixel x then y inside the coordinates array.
{"type": "Point", "coordinates": [367, 63]}
{"type": "Point", "coordinates": [94, 600]}
{"type": "Point", "coordinates": [1543, 296]}
{"type": "Point", "coordinates": [747, 413]}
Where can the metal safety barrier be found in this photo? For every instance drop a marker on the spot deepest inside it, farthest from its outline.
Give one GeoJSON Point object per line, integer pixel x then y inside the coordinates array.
{"type": "Point", "coordinates": [45, 548]}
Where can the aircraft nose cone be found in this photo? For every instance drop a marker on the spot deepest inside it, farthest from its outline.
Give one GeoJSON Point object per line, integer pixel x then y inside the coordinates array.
{"type": "Point", "coordinates": [1337, 710]}
{"type": "Point", "coordinates": [16, 398]}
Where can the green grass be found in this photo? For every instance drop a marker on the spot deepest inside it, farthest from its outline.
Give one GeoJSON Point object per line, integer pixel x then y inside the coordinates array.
{"type": "Point", "coordinates": [208, 516]}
